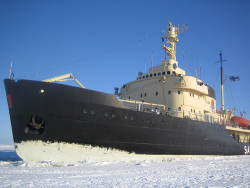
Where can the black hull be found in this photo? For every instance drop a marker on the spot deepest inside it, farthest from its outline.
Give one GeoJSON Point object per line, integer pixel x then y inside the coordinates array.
{"type": "Point", "coordinates": [85, 117]}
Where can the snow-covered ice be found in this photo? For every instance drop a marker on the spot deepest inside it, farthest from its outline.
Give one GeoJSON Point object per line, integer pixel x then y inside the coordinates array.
{"type": "Point", "coordinates": [209, 171]}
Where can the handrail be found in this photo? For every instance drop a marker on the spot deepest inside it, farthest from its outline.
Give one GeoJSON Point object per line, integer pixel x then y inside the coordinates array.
{"type": "Point", "coordinates": [162, 109]}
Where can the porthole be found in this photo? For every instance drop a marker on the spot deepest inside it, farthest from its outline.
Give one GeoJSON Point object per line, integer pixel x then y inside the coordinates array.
{"type": "Point", "coordinates": [147, 120]}
{"type": "Point", "coordinates": [85, 111]}
{"type": "Point", "coordinates": [187, 144]}
{"type": "Point", "coordinates": [179, 143]}
{"type": "Point", "coordinates": [92, 112]}
{"type": "Point", "coordinates": [162, 122]}
{"type": "Point", "coordinates": [106, 114]}
{"type": "Point", "coordinates": [172, 143]}
{"type": "Point", "coordinates": [113, 115]}
{"type": "Point", "coordinates": [126, 117]}
{"type": "Point", "coordinates": [132, 118]}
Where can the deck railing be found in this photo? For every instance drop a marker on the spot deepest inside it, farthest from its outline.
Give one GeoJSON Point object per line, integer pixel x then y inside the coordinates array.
{"type": "Point", "coordinates": [169, 111]}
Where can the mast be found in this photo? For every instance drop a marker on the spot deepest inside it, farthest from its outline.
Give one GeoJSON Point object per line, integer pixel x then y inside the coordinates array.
{"type": "Point", "coordinates": [10, 69]}
{"type": "Point", "coordinates": [171, 37]}
{"type": "Point", "coordinates": [222, 87]}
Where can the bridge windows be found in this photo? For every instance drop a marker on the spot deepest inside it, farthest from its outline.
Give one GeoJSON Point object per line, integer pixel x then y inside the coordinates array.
{"type": "Point", "coordinates": [154, 74]}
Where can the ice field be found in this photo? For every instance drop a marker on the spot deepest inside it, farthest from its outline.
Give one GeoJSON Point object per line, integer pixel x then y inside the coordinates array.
{"type": "Point", "coordinates": [209, 171]}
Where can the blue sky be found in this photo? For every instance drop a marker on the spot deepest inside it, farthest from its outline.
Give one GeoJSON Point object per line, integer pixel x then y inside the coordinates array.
{"type": "Point", "coordinates": [101, 42]}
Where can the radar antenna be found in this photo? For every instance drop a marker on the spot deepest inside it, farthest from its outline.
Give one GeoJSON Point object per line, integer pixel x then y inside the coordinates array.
{"type": "Point", "coordinates": [171, 37]}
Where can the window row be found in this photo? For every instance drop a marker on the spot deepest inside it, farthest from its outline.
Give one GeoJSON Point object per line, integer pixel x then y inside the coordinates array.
{"type": "Point", "coordinates": [156, 93]}
{"type": "Point", "coordinates": [155, 74]}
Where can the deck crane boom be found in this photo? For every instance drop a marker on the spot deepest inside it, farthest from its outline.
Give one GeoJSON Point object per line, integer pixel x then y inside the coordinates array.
{"type": "Point", "coordinates": [62, 78]}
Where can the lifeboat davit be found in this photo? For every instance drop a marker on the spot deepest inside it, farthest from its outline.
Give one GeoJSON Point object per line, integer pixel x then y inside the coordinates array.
{"type": "Point", "coordinates": [241, 121]}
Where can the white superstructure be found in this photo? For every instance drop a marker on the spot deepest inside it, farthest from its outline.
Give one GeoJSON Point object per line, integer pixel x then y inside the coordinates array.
{"type": "Point", "coordinates": [169, 85]}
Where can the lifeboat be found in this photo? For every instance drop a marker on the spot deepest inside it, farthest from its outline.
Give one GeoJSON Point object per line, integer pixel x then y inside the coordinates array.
{"type": "Point", "coordinates": [241, 122]}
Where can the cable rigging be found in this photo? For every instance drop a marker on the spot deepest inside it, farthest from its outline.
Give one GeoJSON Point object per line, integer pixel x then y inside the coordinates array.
{"type": "Point", "coordinates": [90, 56]}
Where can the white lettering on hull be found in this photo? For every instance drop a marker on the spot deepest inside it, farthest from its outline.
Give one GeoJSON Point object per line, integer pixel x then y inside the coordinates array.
{"type": "Point", "coordinates": [247, 150]}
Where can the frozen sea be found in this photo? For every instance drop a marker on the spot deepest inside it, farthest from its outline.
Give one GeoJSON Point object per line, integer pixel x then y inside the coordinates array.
{"type": "Point", "coordinates": [208, 171]}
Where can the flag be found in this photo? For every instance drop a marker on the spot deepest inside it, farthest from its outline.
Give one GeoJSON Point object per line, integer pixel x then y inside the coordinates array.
{"type": "Point", "coordinates": [234, 78]}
